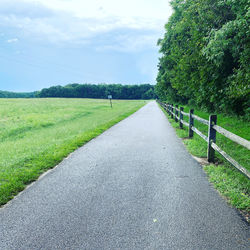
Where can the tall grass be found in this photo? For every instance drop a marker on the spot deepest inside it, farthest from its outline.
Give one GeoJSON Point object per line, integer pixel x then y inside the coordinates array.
{"type": "Point", "coordinates": [36, 134]}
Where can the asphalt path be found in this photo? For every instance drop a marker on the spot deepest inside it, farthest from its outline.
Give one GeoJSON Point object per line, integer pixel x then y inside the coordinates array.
{"type": "Point", "coordinates": [133, 187]}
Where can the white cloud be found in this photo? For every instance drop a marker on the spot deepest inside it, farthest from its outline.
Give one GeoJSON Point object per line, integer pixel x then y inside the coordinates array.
{"type": "Point", "coordinates": [131, 42]}
{"type": "Point", "coordinates": [81, 21]}
{"type": "Point", "coordinates": [13, 40]}
{"type": "Point", "coordinates": [101, 8]}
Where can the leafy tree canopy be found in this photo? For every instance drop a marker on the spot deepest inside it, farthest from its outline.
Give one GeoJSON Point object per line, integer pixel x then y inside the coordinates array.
{"type": "Point", "coordinates": [205, 55]}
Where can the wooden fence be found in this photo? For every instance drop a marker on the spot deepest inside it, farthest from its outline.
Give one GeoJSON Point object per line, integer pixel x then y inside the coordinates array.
{"type": "Point", "coordinates": [178, 113]}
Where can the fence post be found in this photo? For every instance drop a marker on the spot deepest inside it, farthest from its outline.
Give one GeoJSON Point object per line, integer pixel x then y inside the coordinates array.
{"type": "Point", "coordinates": [191, 123]}
{"type": "Point", "coordinates": [176, 113]}
{"type": "Point", "coordinates": [211, 137]}
{"type": "Point", "coordinates": [172, 109]}
{"type": "Point", "coordinates": [181, 117]}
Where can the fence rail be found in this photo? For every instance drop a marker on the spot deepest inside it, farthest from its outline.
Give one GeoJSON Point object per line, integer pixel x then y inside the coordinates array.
{"type": "Point", "coordinates": [243, 142]}
{"type": "Point", "coordinates": [186, 114]}
{"type": "Point", "coordinates": [178, 113]}
{"type": "Point", "coordinates": [206, 122]}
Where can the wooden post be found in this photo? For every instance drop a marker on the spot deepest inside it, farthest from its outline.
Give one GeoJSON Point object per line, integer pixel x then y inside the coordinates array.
{"type": "Point", "coordinates": [211, 137]}
{"type": "Point", "coordinates": [176, 113]}
{"type": "Point", "coordinates": [172, 109]}
{"type": "Point", "coordinates": [181, 117]}
{"type": "Point", "coordinates": [191, 123]}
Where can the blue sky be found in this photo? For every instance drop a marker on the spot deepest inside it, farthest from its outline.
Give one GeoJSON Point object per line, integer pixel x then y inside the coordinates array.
{"type": "Point", "coordinates": [56, 42]}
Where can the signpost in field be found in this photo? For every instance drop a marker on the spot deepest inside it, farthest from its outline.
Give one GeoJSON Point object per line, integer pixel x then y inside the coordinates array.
{"type": "Point", "coordinates": [110, 98]}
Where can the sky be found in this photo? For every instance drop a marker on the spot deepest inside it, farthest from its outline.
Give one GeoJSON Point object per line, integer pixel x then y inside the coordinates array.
{"type": "Point", "coordinates": [56, 42]}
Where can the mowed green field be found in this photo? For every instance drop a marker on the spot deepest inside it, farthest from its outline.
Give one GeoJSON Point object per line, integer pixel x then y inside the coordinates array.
{"type": "Point", "coordinates": [36, 134]}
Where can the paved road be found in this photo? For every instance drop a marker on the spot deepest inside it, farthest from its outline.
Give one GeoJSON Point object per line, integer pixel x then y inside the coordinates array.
{"type": "Point", "coordinates": [133, 187]}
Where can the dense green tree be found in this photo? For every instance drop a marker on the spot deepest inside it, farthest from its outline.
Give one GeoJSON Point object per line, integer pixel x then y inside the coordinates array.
{"type": "Point", "coordinates": [205, 55]}
{"type": "Point", "coordinates": [7, 94]}
{"type": "Point", "coordinates": [118, 91]}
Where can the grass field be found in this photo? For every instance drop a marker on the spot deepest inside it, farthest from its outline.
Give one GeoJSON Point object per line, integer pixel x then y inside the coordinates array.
{"type": "Point", "coordinates": [234, 186]}
{"type": "Point", "coordinates": [36, 134]}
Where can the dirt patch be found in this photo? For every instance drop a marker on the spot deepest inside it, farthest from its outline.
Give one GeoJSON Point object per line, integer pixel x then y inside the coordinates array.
{"type": "Point", "coordinates": [203, 161]}
{"type": "Point", "coordinates": [246, 215]}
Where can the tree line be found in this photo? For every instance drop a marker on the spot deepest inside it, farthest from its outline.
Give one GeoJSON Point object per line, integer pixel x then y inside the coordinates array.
{"type": "Point", "coordinates": [205, 55]}
{"type": "Point", "coordinates": [101, 91]}
{"type": "Point", "coordinates": [8, 94]}
{"type": "Point", "coordinates": [118, 91]}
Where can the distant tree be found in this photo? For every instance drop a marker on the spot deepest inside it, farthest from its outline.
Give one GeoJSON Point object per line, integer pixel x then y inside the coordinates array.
{"type": "Point", "coordinates": [148, 95]}
{"type": "Point", "coordinates": [7, 94]}
{"type": "Point", "coordinates": [118, 91]}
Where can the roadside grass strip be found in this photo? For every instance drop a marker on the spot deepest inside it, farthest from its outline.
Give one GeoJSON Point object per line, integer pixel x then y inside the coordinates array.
{"type": "Point", "coordinates": [231, 184]}
{"type": "Point", "coordinates": [36, 134]}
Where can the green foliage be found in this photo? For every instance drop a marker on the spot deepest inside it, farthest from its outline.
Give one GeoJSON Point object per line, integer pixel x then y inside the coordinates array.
{"type": "Point", "coordinates": [118, 91]}
{"type": "Point", "coordinates": [205, 55]}
{"type": "Point", "coordinates": [36, 134]}
{"type": "Point", "coordinates": [231, 184]}
{"type": "Point", "coordinates": [7, 94]}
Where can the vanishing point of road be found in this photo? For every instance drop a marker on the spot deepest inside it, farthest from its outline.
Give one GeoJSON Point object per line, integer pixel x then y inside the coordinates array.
{"type": "Point", "coordinates": [133, 187]}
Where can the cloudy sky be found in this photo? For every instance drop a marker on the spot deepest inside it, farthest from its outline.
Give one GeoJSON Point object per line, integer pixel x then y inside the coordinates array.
{"type": "Point", "coordinates": [56, 42]}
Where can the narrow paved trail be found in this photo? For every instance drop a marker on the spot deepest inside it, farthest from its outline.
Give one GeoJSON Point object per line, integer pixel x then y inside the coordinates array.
{"type": "Point", "coordinates": [133, 187]}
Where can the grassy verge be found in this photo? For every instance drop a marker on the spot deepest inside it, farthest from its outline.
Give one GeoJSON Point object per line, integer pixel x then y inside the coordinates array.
{"type": "Point", "coordinates": [234, 186]}
{"type": "Point", "coordinates": [36, 134]}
